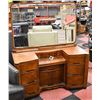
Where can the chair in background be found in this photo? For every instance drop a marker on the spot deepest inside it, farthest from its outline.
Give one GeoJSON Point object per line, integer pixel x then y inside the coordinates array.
{"type": "Point", "coordinates": [16, 92]}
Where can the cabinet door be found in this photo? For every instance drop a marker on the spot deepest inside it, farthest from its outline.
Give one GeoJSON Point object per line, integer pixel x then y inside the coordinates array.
{"type": "Point", "coordinates": [51, 76]}
{"type": "Point", "coordinates": [45, 78]}
{"type": "Point", "coordinates": [57, 76]}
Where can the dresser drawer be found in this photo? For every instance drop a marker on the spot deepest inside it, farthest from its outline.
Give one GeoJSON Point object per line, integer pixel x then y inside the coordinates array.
{"type": "Point", "coordinates": [29, 77]}
{"type": "Point", "coordinates": [75, 69]}
{"type": "Point", "coordinates": [31, 89]}
{"type": "Point", "coordinates": [75, 80]}
{"type": "Point", "coordinates": [52, 67]}
{"type": "Point", "coordinates": [27, 66]}
{"type": "Point", "coordinates": [77, 59]}
{"type": "Point", "coordinates": [72, 86]}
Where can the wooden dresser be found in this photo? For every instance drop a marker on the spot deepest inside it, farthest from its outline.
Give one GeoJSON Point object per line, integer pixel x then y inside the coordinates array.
{"type": "Point", "coordinates": [49, 69]}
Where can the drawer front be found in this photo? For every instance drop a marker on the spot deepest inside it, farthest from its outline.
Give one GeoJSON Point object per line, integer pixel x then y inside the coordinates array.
{"type": "Point", "coordinates": [31, 89]}
{"type": "Point", "coordinates": [75, 80]}
{"type": "Point", "coordinates": [72, 86]}
{"type": "Point", "coordinates": [52, 67]}
{"type": "Point", "coordinates": [51, 76]}
{"type": "Point", "coordinates": [29, 77]}
{"type": "Point", "coordinates": [75, 69]}
{"type": "Point", "coordinates": [78, 59]}
{"type": "Point", "coordinates": [27, 66]}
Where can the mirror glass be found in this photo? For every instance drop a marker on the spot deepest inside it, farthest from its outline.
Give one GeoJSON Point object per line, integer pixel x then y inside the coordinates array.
{"type": "Point", "coordinates": [43, 24]}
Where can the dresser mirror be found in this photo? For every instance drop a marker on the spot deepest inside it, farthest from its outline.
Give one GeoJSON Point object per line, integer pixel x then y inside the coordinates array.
{"type": "Point", "coordinates": [43, 24]}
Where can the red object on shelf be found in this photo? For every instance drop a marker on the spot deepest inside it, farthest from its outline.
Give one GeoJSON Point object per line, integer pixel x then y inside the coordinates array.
{"type": "Point", "coordinates": [43, 20]}
{"type": "Point", "coordinates": [37, 20]}
{"type": "Point", "coordinates": [91, 4]}
{"type": "Point", "coordinates": [70, 18]}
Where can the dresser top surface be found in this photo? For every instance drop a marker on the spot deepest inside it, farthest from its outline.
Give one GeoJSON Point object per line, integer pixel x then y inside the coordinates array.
{"type": "Point", "coordinates": [75, 50]}
{"type": "Point", "coordinates": [24, 57]}
{"type": "Point", "coordinates": [32, 55]}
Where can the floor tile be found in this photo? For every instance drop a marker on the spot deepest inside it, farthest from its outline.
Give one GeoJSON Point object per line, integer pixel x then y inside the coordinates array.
{"type": "Point", "coordinates": [74, 90]}
{"type": "Point", "coordinates": [88, 84]}
{"type": "Point", "coordinates": [90, 76]}
{"type": "Point", "coordinates": [57, 94]}
{"type": "Point", "coordinates": [85, 94]}
{"type": "Point", "coordinates": [84, 39]}
{"type": "Point", "coordinates": [80, 36]}
{"type": "Point", "coordinates": [72, 97]}
{"type": "Point", "coordinates": [90, 64]}
{"type": "Point", "coordinates": [35, 98]}
{"type": "Point", "coordinates": [79, 41]}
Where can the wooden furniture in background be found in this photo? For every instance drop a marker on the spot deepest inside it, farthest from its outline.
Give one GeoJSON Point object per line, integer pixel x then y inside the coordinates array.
{"type": "Point", "coordinates": [10, 17]}
{"type": "Point", "coordinates": [49, 69]}
{"type": "Point", "coordinates": [70, 28]}
{"type": "Point", "coordinates": [10, 21]}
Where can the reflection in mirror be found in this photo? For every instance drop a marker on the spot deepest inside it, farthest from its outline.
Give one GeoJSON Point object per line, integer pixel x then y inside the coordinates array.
{"type": "Point", "coordinates": [43, 24]}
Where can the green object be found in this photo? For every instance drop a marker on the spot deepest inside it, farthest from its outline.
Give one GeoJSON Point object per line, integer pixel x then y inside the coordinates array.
{"type": "Point", "coordinates": [10, 1]}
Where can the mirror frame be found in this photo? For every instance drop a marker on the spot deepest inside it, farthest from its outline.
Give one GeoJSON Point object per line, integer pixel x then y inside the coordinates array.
{"type": "Point", "coordinates": [18, 49]}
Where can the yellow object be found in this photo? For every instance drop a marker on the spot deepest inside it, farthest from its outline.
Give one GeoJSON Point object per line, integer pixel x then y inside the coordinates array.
{"type": "Point", "coordinates": [13, 0]}
{"type": "Point", "coordinates": [10, 1]}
